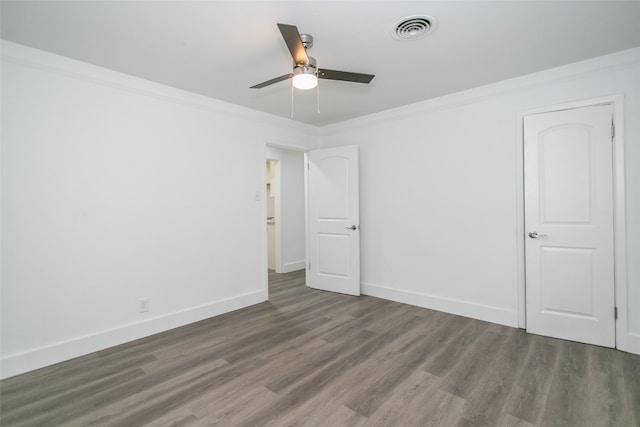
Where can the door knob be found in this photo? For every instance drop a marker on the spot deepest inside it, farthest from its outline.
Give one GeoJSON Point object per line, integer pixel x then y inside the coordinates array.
{"type": "Point", "coordinates": [353, 227]}
{"type": "Point", "coordinates": [535, 235]}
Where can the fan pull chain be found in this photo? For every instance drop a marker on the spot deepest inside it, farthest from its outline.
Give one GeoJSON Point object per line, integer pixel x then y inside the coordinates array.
{"type": "Point", "coordinates": [318, 94]}
{"type": "Point", "coordinates": [292, 100]}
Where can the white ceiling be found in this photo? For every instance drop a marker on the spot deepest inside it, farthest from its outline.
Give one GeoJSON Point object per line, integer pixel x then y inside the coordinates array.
{"type": "Point", "coordinates": [221, 48]}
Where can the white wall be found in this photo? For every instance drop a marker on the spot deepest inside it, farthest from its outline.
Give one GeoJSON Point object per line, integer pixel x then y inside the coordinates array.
{"type": "Point", "coordinates": [438, 190]}
{"type": "Point", "coordinates": [292, 212]}
{"type": "Point", "coordinates": [116, 189]}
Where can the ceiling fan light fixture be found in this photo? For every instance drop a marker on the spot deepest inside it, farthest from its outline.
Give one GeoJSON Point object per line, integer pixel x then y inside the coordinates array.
{"type": "Point", "coordinates": [304, 78]}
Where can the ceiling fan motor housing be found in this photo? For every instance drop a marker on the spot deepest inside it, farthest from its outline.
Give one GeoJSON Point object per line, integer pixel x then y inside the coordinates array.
{"type": "Point", "coordinates": [307, 40]}
{"type": "Point", "coordinates": [307, 68]}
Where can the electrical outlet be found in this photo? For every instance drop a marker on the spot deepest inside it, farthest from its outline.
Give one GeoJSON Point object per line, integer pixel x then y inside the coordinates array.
{"type": "Point", "coordinates": [143, 305]}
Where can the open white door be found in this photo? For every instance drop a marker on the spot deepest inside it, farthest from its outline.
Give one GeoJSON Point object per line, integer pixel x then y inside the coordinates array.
{"type": "Point", "coordinates": [334, 217]}
{"type": "Point", "coordinates": [569, 224]}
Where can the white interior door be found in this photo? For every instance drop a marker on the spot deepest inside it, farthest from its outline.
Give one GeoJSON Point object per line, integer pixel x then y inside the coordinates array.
{"type": "Point", "coordinates": [569, 224]}
{"type": "Point", "coordinates": [334, 215]}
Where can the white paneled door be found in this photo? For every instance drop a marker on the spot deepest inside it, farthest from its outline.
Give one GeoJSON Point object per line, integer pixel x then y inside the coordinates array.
{"type": "Point", "coordinates": [569, 224]}
{"type": "Point", "coordinates": [334, 227]}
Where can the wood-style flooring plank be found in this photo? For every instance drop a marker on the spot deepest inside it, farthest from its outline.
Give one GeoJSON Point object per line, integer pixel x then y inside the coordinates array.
{"type": "Point", "coordinates": [313, 358]}
{"type": "Point", "coordinates": [631, 375]}
{"type": "Point", "coordinates": [490, 393]}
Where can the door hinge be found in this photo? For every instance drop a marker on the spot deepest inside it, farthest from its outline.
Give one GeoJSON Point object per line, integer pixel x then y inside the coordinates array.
{"type": "Point", "coordinates": [309, 266]}
{"type": "Point", "coordinates": [615, 313]}
{"type": "Point", "coordinates": [613, 130]}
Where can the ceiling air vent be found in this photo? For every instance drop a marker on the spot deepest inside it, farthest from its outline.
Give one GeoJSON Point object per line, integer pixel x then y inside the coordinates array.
{"type": "Point", "coordinates": [413, 27]}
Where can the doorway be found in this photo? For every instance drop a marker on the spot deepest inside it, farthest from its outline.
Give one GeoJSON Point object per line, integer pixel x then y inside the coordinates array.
{"type": "Point", "coordinates": [287, 180]}
{"type": "Point", "coordinates": [285, 209]}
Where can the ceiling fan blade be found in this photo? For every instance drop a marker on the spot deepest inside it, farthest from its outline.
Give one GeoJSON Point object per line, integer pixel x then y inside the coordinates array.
{"type": "Point", "coordinates": [291, 37]}
{"type": "Point", "coordinates": [344, 76]}
{"type": "Point", "coordinates": [272, 81]}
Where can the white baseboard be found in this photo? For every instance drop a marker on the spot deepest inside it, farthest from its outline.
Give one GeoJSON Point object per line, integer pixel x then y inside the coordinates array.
{"type": "Point", "coordinates": [293, 266]}
{"type": "Point", "coordinates": [48, 355]}
{"type": "Point", "coordinates": [462, 308]}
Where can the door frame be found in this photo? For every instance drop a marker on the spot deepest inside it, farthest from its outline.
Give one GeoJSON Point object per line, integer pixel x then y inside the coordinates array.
{"type": "Point", "coordinates": [619, 210]}
{"type": "Point", "coordinates": [277, 208]}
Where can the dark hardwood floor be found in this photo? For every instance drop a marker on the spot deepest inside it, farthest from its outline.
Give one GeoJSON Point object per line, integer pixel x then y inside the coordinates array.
{"type": "Point", "coordinates": [321, 359]}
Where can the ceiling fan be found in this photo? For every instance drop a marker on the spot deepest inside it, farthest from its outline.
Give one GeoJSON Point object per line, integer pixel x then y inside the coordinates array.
{"type": "Point", "coordinates": [305, 73]}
